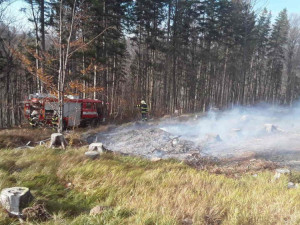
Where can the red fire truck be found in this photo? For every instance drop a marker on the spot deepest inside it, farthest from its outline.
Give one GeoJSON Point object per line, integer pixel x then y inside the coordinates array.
{"type": "Point", "coordinates": [76, 112]}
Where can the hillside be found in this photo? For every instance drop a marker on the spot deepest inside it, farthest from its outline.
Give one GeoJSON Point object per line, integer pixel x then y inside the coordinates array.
{"type": "Point", "coordinates": [138, 191]}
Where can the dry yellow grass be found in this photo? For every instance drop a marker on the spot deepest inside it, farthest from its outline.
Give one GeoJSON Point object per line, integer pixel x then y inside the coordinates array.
{"type": "Point", "coordinates": [143, 192]}
{"type": "Point", "coordinates": [11, 138]}
{"type": "Point", "coordinates": [16, 137]}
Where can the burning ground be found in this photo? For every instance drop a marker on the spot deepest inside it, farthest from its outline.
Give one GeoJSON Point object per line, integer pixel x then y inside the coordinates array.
{"type": "Point", "coordinates": [233, 145]}
{"type": "Point", "coordinates": [264, 131]}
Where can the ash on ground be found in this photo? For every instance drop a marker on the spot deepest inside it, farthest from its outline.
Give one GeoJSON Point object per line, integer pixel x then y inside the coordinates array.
{"type": "Point", "coordinates": [153, 142]}
{"type": "Point", "coordinates": [268, 134]}
{"type": "Point", "coordinates": [148, 141]}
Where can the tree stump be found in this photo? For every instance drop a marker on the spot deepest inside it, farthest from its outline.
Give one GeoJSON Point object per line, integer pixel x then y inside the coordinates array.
{"type": "Point", "coordinates": [58, 140]}
{"type": "Point", "coordinates": [96, 147]}
{"type": "Point", "coordinates": [15, 199]}
{"type": "Point", "coordinates": [213, 138]}
{"type": "Point", "coordinates": [270, 128]}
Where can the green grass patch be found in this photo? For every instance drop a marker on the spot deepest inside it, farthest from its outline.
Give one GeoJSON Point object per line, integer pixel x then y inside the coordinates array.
{"type": "Point", "coordinates": [137, 191]}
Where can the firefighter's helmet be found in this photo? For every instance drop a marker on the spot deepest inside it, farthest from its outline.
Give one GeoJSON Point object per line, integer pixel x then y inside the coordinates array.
{"type": "Point", "coordinates": [143, 102]}
{"type": "Point", "coordinates": [35, 101]}
{"type": "Point", "coordinates": [34, 113]}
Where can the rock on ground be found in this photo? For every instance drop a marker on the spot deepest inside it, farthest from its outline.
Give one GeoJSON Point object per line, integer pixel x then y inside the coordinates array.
{"type": "Point", "coordinates": [36, 212]}
{"type": "Point", "coordinates": [292, 185]}
{"type": "Point", "coordinates": [97, 210]}
{"type": "Point", "coordinates": [155, 159]}
{"type": "Point", "coordinates": [15, 199]}
{"type": "Point", "coordinates": [280, 171]}
{"type": "Point", "coordinates": [283, 171]}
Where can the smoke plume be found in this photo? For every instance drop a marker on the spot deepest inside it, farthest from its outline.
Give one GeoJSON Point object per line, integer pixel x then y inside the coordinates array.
{"type": "Point", "coordinates": [261, 128]}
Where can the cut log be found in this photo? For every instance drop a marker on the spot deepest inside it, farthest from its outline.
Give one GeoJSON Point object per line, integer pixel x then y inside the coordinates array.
{"type": "Point", "coordinates": [15, 199]}
{"type": "Point", "coordinates": [58, 140]}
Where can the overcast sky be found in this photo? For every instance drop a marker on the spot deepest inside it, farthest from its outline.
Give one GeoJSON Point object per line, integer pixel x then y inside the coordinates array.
{"type": "Point", "coordinates": [293, 7]}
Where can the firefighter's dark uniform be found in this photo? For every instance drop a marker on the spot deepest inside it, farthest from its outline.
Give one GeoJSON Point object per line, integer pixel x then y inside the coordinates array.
{"type": "Point", "coordinates": [54, 121]}
{"type": "Point", "coordinates": [32, 121]}
{"type": "Point", "coordinates": [144, 110]}
{"type": "Point", "coordinates": [33, 118]}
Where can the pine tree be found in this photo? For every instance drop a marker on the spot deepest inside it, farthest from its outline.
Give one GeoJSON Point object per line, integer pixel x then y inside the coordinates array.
{"type": "Point", "coordinates": [263, 29]}
{"type": "Point", "coordinates": [276, 54]}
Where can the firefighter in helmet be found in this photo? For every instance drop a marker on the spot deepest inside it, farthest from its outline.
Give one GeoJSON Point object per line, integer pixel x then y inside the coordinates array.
{"type": "Point", "coordinates": [34, 117]}
{"type": "Point", "coordinates": [35, 103]}
{"type": "Point", "coordinates": [35, 112]}
{"type": "Point", "coordinates": [144, 110]}
{"type": "Point", "coordinates": [54, 120]}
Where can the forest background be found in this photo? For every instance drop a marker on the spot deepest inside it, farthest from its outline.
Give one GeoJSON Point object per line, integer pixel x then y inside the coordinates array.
{"type": "Point", "coordinates": [186, 55]}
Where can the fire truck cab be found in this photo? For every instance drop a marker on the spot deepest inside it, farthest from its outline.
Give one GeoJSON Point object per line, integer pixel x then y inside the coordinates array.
{"type": "Point", "coordinates": [76, 112]}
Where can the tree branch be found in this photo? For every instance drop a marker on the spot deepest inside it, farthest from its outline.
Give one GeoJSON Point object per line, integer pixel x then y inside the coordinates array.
{"type": "Point", "coordinates": [89, 42]}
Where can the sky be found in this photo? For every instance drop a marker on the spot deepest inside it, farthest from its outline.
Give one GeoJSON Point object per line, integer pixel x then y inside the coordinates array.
{"type": "Point", "coordinates": [17, 18]}
{"type": "Point", "coordinates": [293, 7]}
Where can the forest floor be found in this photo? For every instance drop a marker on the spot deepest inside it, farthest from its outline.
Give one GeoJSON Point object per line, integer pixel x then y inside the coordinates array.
{"type": "Point", "coordinates": [134, 190]}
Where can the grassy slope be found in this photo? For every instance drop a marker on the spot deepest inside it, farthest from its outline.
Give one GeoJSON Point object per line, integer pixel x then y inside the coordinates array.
{"type": "Point", "coordinates": [143, 192]}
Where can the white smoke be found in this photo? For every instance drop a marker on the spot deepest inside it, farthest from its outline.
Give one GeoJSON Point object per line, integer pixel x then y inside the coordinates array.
{"type": "Point", "coordinates": [271, 132]}
{"type": "Point", "coordinates": [260, 128]}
